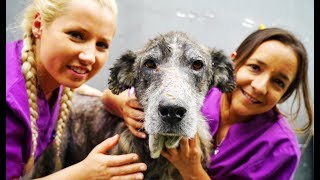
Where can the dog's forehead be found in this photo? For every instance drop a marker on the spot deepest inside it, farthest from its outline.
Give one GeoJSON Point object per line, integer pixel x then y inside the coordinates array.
{"type": "Point", "coordinates": [175, 43]}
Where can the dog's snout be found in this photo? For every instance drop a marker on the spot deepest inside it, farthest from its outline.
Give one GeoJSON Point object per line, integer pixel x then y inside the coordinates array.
{"type": "Point", "coordinates": [172, 113]}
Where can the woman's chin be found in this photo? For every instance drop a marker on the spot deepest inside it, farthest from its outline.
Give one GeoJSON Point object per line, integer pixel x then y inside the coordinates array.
{"type": "Point", "coordinates": [72, 85]}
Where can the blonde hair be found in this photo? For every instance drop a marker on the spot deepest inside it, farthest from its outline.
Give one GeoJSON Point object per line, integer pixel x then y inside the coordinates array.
{"type": "Point", "coordinates": [49, 10]}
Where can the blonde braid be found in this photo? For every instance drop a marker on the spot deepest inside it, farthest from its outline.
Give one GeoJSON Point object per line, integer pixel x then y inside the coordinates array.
{"type": "Point", "coordinates": [65, 107]}
{"type": "Point", "coordinates": [49, 10]}
{"type": "Point", "coordinates": [30, 75]}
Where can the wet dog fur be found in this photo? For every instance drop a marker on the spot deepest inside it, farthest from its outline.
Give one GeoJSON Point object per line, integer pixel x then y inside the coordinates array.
{"type": "Point", "coordinates": [171, 74]}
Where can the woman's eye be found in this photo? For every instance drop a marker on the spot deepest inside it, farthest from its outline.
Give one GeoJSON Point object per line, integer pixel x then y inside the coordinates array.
{"type": "Point", "coordinates": [254, 67]}
{"type": "Point", "coordinates": [197, 65]}
{"type": "Point", "coordinates": [280, 83]}
{"type": "Point", "coordinates": [76, 35]}
{"type": "Point", "coordinates": [150, 64]}
{"type": "Point", "coordinates": [103, 45]}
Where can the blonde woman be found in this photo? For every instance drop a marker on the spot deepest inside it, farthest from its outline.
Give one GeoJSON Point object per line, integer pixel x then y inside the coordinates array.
{"type": "Point", "coordinates": [65, 43]}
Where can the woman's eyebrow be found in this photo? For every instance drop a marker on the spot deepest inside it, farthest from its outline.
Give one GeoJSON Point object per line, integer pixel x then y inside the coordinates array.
{"type": "Point", "coordinates": [282, 75]}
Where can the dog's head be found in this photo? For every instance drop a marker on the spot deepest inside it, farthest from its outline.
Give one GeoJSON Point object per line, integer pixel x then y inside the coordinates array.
{"type": "Point", "coordinates": [171, 76]}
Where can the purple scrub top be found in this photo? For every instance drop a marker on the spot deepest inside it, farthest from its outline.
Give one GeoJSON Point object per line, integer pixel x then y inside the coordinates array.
{"type": "Point", "coordinates": [263, 148]}
{"type": "Point", "coordinates": [18, 128]}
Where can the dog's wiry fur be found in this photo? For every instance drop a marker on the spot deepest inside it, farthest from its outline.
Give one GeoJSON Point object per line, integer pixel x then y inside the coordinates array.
{"type": "Point", "coordinates": [171, 76]}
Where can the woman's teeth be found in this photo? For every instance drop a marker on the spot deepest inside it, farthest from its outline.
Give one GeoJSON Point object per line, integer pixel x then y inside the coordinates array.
{"type": "Point", "coordinates": [79, 70]}
{"type": "Point", "coordinates": [249, 97]}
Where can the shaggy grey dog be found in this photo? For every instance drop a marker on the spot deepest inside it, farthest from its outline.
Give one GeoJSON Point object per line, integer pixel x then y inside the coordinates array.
{"type": "Point", "coordinates": [171, 76]}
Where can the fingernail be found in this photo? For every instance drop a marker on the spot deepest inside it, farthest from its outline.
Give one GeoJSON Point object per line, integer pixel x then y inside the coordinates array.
{"type": "Point", "coordinates": [143, 168]}
{"type": "Point", "coordinates": [131, 91]}
{"type": "Point", "coordinates": [143, 135]}
{"type": "Point", "coordinates": [135, 157]}
{"type": "Point", "coordinates": [139, 176]}
{"type": "Point", "coordinates": [115, 136]}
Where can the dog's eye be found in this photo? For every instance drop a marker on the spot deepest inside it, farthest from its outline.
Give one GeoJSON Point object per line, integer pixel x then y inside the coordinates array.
{"type": "Point", "coordinates": [197, 65]}
{"type": "Point", "coordinates": [150, 64]}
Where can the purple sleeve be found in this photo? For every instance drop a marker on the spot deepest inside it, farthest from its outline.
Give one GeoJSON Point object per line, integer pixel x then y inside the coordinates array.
{"type": "Point", "coordinates": [14, 140]}
{"type": "Point", "coordinates": [279, 164]}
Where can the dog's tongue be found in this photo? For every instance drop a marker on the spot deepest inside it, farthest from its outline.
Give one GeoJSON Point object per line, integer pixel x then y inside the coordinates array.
{"type": "Point", "coordinates": [157, 142]}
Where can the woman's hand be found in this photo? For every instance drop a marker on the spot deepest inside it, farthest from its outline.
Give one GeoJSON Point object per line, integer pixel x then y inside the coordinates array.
{"type": "Point", "coordinates": [126, 106]}
{"type": "Point", "coordinates": [187, 158]}
{"type": "Point", "coordinates": [133, 116]}
{"type": "Point", "coordinates": [99, 165]}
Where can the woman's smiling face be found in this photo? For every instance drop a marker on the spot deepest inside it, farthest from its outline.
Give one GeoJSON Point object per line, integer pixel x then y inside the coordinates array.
{"type": "Point", "coordinates": [264, 78]}
{"type": "Point", "coordinates": [75, 46]}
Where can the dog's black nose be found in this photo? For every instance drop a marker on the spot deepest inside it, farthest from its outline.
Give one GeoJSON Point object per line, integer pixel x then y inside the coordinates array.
{"type": "Point", "coordinates": [172, 113]}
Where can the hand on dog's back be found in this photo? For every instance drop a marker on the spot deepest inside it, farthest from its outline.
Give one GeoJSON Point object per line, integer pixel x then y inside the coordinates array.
{"type": "Point", "coordinates": [99, 164]}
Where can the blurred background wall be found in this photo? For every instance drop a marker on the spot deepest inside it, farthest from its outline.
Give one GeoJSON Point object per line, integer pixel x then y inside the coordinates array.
{"type": "Point", "coordinates": [217, 23]}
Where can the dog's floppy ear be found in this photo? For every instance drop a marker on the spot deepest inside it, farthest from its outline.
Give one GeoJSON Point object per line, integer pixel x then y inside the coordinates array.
{"type": "Point", "coordinates": [122, 75]}
{"type": "Point", "coordinates": [223, 72]}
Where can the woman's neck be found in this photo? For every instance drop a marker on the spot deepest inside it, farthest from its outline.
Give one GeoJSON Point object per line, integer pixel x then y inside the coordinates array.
{"type": "Point", "coordinates": [228, 114]}
{"type": "Point", "coordinates": [47, 83]}
{"type": "Point", "coordinates": [48, 90]}
{"type": "Point", "coordinates": [228, 117]}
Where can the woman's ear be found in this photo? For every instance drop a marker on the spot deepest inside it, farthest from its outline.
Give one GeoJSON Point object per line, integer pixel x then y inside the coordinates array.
{"type": "Point", "coordinates": [36, 26]}
{"type": "Point", "coordinates": [233, 55]}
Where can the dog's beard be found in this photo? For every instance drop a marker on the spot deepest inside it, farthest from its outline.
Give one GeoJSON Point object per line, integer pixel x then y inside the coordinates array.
{"type": "Point", "coordinates": [165, 134]}
{"type": "Point", "coordinates": [157, 142]}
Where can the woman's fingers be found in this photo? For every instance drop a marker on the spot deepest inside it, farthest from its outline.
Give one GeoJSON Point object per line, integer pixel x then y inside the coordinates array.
{"type": "Point", "coordinates": [128, 176]}
{"type": "Point", "coordinates": [128, 169]}
{"type": "Point", "coordinates": [133, 116]}
{"type": "Point", "coordinates": [194, 144]}
{"type": "Point", "coordinates": [137, 132]}
{"type": "Point", "coordinates": [120, 160]}
{"type": "Point", "coordinates": [107, 144]}
{"type": "Point", "coordinates": [135, 126]}
{"type": "Point", "coordinates": [172, 151]}
{"type": "Point", "coordinates": [134, 113]}
{"type": "Point", "coordinates": [122, 167]}
{"type": "Point", "coordinates": [166, 154]}
{"type": "Point", "coordinates": [193, 141]}
{"type": "Point", "coordinates": [184, 146]}
{"type": "Point", "coordinates": [134, 123]}
{"type": "Point", "coordinates": [133, 102]}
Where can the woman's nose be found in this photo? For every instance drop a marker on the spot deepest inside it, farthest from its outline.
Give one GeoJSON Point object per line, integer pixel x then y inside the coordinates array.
{"type": "Point", "coordinates": [87, 56]}
{"type": "Point", "coordinates": [260, 84]}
